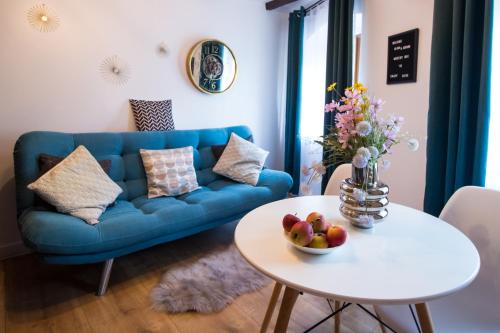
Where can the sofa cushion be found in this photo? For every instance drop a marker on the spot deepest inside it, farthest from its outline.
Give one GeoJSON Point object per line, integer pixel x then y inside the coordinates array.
{"type": "Point", "coordinates": [128, 223]}
{"type": "Point", "coordinates": [170, 172]}
{"type": "Point", "coordinates": [47, 162]}
{"type": "Point", "coordinates": [153, 115]}
{"type": "Point", "coordinates": [217, 150]}
{"type": "Point", "coordinates": [241, 161]}
{"type": "Point", "coordinates": [77, 186]}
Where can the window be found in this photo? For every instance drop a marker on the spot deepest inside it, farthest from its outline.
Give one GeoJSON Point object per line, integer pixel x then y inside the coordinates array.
{"type": "Point", "coordinates": [493, 164]}
{"type": "Point", "coordinates": [313, 94]}
{"type": "Point", "coordinates": [314, 71]}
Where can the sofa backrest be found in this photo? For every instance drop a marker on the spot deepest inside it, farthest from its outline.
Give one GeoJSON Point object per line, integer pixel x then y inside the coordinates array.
{"type": "Point", "coordinates": [123, 151]}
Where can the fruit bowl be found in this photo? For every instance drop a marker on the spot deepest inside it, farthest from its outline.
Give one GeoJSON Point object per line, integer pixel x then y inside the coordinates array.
{"type": "Point", "coordinates": [314, 235]}
{"type": "Point", "coordinates": [311, 250]}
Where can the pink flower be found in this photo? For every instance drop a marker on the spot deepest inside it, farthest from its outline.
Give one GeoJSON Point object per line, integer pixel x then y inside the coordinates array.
{"type": "Point", "coordinates": [331, 106]}
{"type": "Point", "coordinates": [346, 127]}
{"type": "Point", "coordinates": [355, 94]}
{"type": "Point", "coordinates": [305, 189]}
{"type": "Point", "coordinates": [376, 104]}
{"type": "Point", "coordinates": [319, 168]}
{"type": "Point", "coordinates": [345, 107]}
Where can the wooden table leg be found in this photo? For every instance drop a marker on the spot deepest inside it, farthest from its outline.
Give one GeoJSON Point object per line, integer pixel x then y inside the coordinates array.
{"type": "Point", "coordinates": [424, 317]}
{"type": "Point", "coordinates": [289, 299]}
{"type": "Point", "coordinates": [271, 306]}
{"type": "Point", "coordinates": [337, 317]}
{"type": "Point", "coordinates": [382, 327]}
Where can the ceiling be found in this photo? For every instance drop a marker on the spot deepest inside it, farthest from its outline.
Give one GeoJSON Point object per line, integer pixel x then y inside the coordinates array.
{"type": "Point", "coordinates": [289, 7]}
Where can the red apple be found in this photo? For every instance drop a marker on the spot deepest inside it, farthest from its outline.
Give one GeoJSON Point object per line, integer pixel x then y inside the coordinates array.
{"type": "Point", "coordinates": [317, 221]}
{"type": "Point", "coordinates": [302, 233]}
{"type": "Point", "coordinates": [336, 236]}
{"type": "Point", "coordinates": [288, 221]}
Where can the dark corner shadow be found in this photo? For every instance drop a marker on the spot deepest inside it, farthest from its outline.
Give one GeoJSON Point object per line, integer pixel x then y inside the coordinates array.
{"type": "Point", "coordinates": [31, 285]}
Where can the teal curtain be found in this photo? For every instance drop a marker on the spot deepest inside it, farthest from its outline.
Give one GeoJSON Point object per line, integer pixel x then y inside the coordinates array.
{"type": "Point", "coordinates": [293, 96]}
{"type": "Point", "coordinates": [339, 58]}
{"type": "Point", "coordinates": [459, 98]}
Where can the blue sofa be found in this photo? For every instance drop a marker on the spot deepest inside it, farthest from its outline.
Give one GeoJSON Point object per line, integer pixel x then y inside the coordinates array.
{"type": "Point", "coordinates": [134, 222]}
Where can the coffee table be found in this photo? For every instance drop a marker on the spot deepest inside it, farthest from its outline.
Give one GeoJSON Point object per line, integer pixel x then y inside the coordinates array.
{"type": "Point", "coordinates": [409, 258]}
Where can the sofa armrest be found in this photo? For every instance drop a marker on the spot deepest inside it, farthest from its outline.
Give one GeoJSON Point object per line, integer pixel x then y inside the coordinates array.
{"type": "Point", "coordinates": [48, 232]}
{"type": "Point", "coordinates": [278, 181]}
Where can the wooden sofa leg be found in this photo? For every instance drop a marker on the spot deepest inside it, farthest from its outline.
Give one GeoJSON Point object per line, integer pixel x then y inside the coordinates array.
{"type": "Point", "coordinates": [106, 272]}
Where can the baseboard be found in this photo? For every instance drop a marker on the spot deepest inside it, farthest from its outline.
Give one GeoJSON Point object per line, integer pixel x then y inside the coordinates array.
{"type": "Point", "coordinates": [13, 250]}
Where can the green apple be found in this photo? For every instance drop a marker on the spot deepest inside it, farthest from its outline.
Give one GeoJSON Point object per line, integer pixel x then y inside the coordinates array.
{"type": "Point", "coordinates": [319, 241]}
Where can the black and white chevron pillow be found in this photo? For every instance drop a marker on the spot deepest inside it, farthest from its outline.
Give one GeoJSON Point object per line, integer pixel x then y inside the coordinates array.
{"type": "Point", "coordinates": [153, 115]}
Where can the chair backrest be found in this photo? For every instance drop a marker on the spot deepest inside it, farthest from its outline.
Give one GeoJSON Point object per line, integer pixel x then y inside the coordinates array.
{"type": "Point", "coordinates": [342, 172]}
{"type": "Point", "coordinates": [473, 210]}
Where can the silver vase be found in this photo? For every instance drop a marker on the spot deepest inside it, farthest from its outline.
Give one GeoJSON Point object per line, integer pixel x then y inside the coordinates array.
{"type": "Point", "coordinates": [375, 203]}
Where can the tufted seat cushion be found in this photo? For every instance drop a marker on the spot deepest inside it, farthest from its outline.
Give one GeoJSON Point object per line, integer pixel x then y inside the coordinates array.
{"type": "Point", "coordinates": [131, 222]}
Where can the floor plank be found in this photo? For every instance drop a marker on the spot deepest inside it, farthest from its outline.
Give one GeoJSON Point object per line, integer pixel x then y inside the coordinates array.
{"type": "Point", "coordinates": [2, 299]}
{"type": "Point", "coordinates": [36, 297]}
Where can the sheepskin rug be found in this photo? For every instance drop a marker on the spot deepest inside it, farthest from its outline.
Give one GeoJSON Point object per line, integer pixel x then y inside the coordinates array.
{"type": "Point", "coordinates": [207, 284]}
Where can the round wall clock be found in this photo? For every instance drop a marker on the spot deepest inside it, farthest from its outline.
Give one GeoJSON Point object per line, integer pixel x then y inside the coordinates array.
{"type": "Point", "coordinates": [211, 66]}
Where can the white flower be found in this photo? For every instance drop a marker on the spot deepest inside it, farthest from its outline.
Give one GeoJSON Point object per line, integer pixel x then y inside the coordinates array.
{"type": "Point", "coordinates": [386, 164]}
{"type": "Point", "coordinates": [413, 144]}
{"type": "Point", "coordinates": [363, 128]}
{"type": "Point", "coordinates": [359, 161]}
{"type": "Point", "coordinates": [359, 195]}
{"type": "Point", "coordinates": [365, 152]}
{"type": "Point", "coordinates": [374, 152]}
{"type": "Point", "coordinates": [305, 189]}
{"type": "Point", "coordinates": [366, 220]}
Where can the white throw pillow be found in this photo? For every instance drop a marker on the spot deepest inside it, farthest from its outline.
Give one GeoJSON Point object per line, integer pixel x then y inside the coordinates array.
{"type": "Point", "coordinates": [78, 186]}
{"type": "Point", "coordinates": [241, 161]}
{"type": "Point", "coordinates": [170, 172]}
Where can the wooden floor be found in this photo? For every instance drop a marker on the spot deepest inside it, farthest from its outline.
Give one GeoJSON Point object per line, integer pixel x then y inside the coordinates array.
{"type": "Point", "coordinates": [35, 297]}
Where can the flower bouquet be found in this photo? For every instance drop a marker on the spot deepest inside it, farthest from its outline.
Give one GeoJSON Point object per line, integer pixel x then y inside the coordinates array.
{"type": "Point", "coordinates": [361, 137]}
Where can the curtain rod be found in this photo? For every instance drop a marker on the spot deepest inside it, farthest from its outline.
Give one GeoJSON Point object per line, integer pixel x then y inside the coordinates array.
{"type": "Point", "coordinates": [314, 5]}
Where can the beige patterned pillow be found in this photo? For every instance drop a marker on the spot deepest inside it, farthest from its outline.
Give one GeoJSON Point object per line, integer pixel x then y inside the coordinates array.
{"type": "Point", "coordinates": [78, 186]}
{"type": "Point", "coordinates": [170, 172]}
{"type": "Point", "coordinates": [241, 161]}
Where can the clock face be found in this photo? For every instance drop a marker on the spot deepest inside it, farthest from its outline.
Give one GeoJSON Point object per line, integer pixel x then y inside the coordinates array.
{"type": "Point", "coordinates": [212, 66]}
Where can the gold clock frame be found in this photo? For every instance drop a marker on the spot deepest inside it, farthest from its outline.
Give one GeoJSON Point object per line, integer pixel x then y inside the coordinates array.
{"type": "Point", "coordinates": [188, 68]}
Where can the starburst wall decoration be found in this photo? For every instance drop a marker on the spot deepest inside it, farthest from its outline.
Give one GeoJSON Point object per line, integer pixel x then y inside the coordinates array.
{"type": "Point", "coordinates": [115, 70]}
{"type": "Point", "coordinates": [42, 18]}
{"type": "Point", "coordinates": [163, 49]}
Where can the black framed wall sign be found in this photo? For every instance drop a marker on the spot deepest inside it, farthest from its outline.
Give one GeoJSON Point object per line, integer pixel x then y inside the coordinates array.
{"type": "Point", "coordinates": [402, 57]}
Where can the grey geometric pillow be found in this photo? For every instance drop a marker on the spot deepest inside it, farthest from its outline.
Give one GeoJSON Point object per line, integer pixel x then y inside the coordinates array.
{"type": "Point", "coordinates": [153, 115]}
{"type": "Point", "coordinates": [241, 161]}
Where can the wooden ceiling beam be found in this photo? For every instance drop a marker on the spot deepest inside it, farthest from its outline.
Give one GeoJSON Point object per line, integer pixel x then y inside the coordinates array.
{"type": "Point", "coordinates": [270, 5]}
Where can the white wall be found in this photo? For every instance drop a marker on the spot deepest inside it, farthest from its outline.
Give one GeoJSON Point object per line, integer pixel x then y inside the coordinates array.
{"type": "Point", "coordinates": [382, 18]}
{"type": "Point", "coordinates": [50, 81]}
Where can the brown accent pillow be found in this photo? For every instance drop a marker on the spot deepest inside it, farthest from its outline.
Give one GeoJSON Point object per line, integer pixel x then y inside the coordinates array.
{"type": "Point", "coordinates": [217, 150]}
{"type": "Point", "coordinates": [47, 162]}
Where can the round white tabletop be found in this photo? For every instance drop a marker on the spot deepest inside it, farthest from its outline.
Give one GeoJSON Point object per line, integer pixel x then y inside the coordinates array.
{"type": "Point", "coordinates": [411, 257]}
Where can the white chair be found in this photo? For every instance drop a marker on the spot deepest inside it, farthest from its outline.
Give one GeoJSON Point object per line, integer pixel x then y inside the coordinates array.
{"type": "Point", "coordinates": [342, 172]}
{"type": "Point", "coordinates": [475, 309]}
